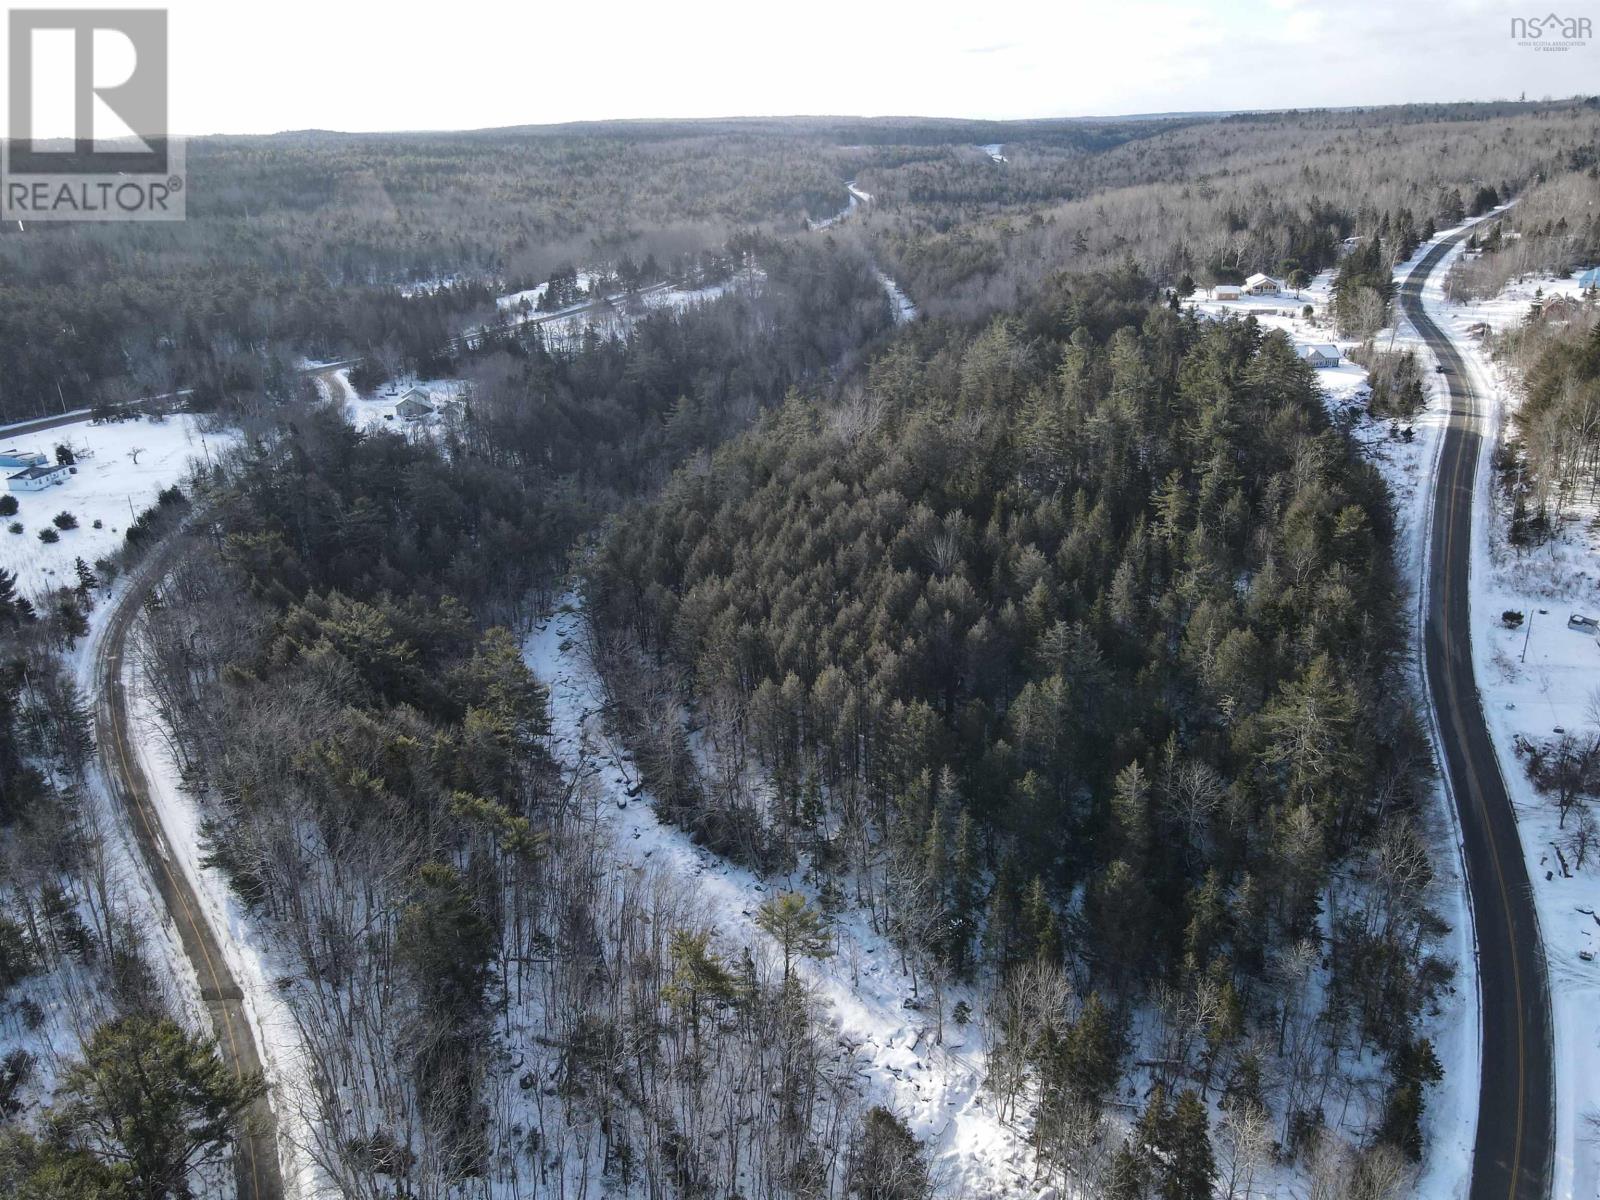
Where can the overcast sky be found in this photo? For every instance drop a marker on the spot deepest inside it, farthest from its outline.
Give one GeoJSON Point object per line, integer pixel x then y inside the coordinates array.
{"type": "Point", "coordinates": [459, 64]}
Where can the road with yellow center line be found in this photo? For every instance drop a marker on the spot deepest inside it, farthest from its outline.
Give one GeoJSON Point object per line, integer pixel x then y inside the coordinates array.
{"type": "Point", "coordinates": [1516, 1102]}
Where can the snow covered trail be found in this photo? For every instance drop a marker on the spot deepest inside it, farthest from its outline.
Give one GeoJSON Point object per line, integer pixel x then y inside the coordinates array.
{"type": "Point", "coordinates": [938, 1090]}
{"type": "Point", "coordinates": [903, 307]}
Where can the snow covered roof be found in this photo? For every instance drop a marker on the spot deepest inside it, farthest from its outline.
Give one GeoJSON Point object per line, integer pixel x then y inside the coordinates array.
{"type": "Point", "coordinates": [1590, 278]}
{"type": "Point", "coordinates": [38, 471]}
{"type": "Point", "coordinates": [415, 403]}
{"type": "Point", "coordinates": [1325, 350]}
{"type": "Point", "coordinates": [1258, 277]}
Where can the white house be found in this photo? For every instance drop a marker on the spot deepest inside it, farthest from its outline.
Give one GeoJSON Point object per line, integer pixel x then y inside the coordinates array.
{"type": "Point", "coordinates": [414, 405]}
{"type": "Point", "coordinates": [1262, 285]}
{"type": "Point", "coordinates": [1225, 291]}
{"type": "Point", "coordinates": [1319, 356]}
{"type": "Point", "coordinates": [38, 477]}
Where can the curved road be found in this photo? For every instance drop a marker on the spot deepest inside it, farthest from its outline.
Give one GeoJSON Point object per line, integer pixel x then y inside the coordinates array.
{"type": "Point", "coordinates": [1516, 1102]}
{"type": "Point", "coordinates": [256, 1162]}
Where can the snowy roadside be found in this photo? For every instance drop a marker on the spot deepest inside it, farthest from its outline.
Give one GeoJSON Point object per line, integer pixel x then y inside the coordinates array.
{"type": "Point", "coordinates": [1536, 681]}
{"type": "Point", "coordinates": [69, 1000]}
{"type": "Point", "coordinates": [938, 1090]}
{"type": "Point", "coordinates": [1407, 462]}
{"type": "Point", "coordinates": [244, 945]}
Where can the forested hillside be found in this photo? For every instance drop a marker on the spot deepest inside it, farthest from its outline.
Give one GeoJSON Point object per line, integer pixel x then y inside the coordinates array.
{"type": "Point", "coordinates": [1217, 200]}
{"type": "Point", "coordinates": [305, 243]}
{"type": "Point", "coordinates": [1072, 654]}
{"type": "Point", "coordinates": [1039, 640]}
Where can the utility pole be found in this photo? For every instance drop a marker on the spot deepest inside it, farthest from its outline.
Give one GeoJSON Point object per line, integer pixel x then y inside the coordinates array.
{"type": "Point", "coordinates": [1528, 634]}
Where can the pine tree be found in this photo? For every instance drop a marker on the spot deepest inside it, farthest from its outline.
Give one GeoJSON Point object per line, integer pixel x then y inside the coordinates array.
{"type": "Point", "coordinates": [698, 976]}
{"type": "Point", "coordinates": [14, 610]}
{"type": "Point", "coordinates": [796, 927]}
{"type": "Point", "coordinates": [87, 579]}
{"type": "Point", "coordinates": [154, 1103]}
{"type": "Point", "coordinates": [444, 942]}
{"type": "Point", "coordinates": [1040, 932]}
{"type": "Point", "coordinates": [70, 622]}
{"type": "Point", "coordinates": [1092, 1053]}
{"type": "Point", "coordinates": [963, 894]}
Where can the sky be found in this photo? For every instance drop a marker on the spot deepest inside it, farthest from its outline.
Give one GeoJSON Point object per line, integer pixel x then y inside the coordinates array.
{"type": "Point", "coordinates": [466, 64]}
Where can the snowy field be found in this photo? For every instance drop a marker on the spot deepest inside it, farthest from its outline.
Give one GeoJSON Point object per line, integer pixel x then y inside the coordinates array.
{"type": "Point", "coordinates": [1537, 683]}
{"type": "Point", "coordinates": [612, 316]}
{"type": "Point", "coordinates": [526, 303]}
{"type": "Point", "coordinates": [121, 468]}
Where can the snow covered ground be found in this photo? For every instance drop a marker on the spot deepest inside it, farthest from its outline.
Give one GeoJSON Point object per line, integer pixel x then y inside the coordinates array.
{"type": "Point", "coordinates": [121, 468]}
{"type": "Point", "coordinates": [245, 945]}
{"type": "Point", "coordinates": [854, 199]}
{"type": "Point", "coordinates": [615, 316]}
{"type": "Point", "coordinates": [526, 303]}
{"type": "Point", "coordinates": [378, 411]}
{"type": "Point", "coordinates": [938, 1090]}
{"type": "Point", "coordinates": [1535, 683]}
{"type": "Point", "coordinates": [901, 304]}
{"type": "Point", "coordinates": [993, 150]}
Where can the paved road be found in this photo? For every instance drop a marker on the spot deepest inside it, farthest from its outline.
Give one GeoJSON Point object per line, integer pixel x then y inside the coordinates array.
{"type": "Point", "coordinates": [256, 1163]}
{"type": "Point", "coordinates": [40, 424]}
{"type": "Point", "coordinates": [1516, 1104]}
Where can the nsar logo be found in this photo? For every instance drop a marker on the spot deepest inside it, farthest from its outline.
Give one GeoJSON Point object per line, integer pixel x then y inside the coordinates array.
{"type": "Point", "coordinates": [1551, 32]}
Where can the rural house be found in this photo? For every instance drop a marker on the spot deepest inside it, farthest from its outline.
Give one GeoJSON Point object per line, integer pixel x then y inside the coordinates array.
{"type": "Point", "coordinates": [1319, 356]}
{"type": "Point", "coordinates": [1262, 285]}
{"type": "Point", "coordinates": [414, 405]}
{"type": "Point", "coordinates": [38, 477]}
{"type": "Point", "coordinates": [1225, 291]}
